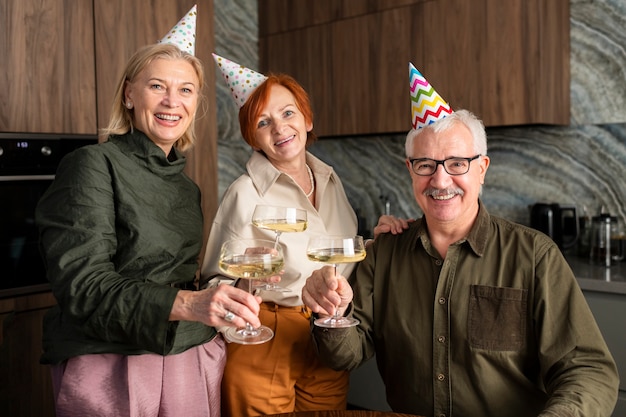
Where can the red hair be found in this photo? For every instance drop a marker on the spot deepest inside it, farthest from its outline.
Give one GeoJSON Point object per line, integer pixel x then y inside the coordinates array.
{"type": "Point", "coordinates": [250, 111]}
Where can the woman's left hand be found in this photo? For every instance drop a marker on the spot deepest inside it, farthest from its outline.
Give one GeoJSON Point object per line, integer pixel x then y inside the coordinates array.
{"type": "Point", "coordinates": [223, 305]}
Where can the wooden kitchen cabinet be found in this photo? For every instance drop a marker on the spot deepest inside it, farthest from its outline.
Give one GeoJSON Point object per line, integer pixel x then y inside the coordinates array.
{"type": "Point", "coordinates": [508, 62]}
{"type": "Point", "coordinates": [25, 385]}
{"type": "Point", "coordinates": [48, 80]}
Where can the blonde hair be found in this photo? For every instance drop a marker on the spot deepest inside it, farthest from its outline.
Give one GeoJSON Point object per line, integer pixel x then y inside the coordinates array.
{"type": "Point", "coordinates": [121, 120]}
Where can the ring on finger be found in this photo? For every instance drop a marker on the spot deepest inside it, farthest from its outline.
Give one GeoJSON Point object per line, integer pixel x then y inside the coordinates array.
{"type": "Point", "coordinates": [229, 316]}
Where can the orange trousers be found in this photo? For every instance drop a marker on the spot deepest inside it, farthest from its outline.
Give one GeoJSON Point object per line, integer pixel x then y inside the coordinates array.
{"type": "Point", "coordinates": [281, 375]}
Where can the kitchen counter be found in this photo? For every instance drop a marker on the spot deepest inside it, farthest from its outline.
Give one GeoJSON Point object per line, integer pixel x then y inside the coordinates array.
{"type": "Point", "coordinates": [599, 278]}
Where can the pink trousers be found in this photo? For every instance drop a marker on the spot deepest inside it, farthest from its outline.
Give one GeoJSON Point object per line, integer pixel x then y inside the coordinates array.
{"type": "Point", "coordinates": [149, 385]}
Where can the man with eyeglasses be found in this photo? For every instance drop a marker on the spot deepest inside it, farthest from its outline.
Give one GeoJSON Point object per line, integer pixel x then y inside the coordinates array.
{"type": "Point", "coordinates": [468, 314]}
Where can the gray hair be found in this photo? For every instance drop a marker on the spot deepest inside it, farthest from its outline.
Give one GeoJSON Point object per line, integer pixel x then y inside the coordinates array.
{"type": "Point", "coordinates": [473, 123]}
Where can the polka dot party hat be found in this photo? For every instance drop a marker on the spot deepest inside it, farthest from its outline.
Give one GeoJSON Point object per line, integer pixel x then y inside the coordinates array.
{"type": "Point", "coordinates": [183, 34]}
{"type": "Point", "coordinates": [426, 105]}
{"type": "Point", "coordinates": [242, 81]}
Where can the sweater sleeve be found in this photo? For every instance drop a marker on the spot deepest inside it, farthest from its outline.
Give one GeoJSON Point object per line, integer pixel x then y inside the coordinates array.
{"type": "Point", "coordinates": [77, 222]}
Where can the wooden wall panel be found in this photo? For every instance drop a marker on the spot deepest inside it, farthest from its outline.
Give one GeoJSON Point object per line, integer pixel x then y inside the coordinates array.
{"type": "Point", "coordinates": [47, 67]}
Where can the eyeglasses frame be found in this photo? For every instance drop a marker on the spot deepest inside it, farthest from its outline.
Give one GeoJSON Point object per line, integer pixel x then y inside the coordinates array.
{"type": "Point", "coordinates": [442, 163]}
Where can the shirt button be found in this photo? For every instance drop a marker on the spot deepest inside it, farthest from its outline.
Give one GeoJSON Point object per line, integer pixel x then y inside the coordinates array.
{"type": "Point", "coordinates": [442, 300]}
{"type": "Point", "coordinates": [441, 377]}
{"type": "Point", "coordinates": [441, 339]}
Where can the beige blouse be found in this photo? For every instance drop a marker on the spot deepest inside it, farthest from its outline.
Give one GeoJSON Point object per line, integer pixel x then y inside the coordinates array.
{"type": "Point", "coordinates": [264, 184]}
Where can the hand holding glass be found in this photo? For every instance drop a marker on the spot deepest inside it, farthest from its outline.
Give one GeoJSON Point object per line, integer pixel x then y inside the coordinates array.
{"type": "Point", "coordinates": [250, 259]}
{"type": "Point", "coordinates": [279, 220]}
{"type": "Point", "coordinates": [333, 250]}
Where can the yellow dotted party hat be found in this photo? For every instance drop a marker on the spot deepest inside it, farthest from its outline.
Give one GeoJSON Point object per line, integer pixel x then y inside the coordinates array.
{"type": "Point", "coordinates": [427, 106]}
{"type": "Point", "coordinates": [183, 34]}
{"type": "Point", "coordinates": [242, 81]}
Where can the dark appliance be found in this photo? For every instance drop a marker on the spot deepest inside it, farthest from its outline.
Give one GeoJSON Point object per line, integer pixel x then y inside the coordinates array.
{"type": "Point", "coordinates": [560, 222]}
{"type": "Point", "coordinates": [28, 163]}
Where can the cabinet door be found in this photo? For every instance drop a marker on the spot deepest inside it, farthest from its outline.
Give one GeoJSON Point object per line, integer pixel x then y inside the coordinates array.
{"type": "Point", "coordinates": [26, 387]}
{"type": "Point", "coordinates": [47, 66]}
{"type": "Point", "coordinates": [506, 61]}
{"type": "Point", "coordinates": [277, 16]}
{"type": "Point", "coordinates": [355, 70]}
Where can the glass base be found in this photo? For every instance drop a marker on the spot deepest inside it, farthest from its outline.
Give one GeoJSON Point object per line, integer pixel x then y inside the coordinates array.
{"type": "Point", "coordinates": [249, 336]}
{"type": "Point", "coordinates": [271, 287]}
{"type": "Point", "coordinates": [336, 322]}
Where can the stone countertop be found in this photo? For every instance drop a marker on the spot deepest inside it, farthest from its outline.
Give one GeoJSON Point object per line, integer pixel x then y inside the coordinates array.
{"type": "Point", "coordinates": [599, 278]}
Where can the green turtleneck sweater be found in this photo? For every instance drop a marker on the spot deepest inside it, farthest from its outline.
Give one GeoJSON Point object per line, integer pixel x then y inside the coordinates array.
{"type": "Point", "coordinates": [119, 224]}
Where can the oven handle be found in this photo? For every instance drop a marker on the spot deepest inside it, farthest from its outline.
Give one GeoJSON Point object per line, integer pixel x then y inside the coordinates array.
{"type": "Point", "coordinates": [25, 177]}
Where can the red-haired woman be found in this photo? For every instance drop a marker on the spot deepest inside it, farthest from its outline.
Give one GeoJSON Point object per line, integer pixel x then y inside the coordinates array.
{"type": "Point", "coordinates": [283, 374]}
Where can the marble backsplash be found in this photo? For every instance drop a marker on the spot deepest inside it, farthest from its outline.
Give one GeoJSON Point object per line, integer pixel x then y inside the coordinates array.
{"type": "Point", "coordinates": [582, 164]}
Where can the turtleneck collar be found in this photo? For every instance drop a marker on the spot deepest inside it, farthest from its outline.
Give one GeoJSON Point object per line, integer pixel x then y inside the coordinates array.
{"type": "Point", "coordinates": [146, 153]}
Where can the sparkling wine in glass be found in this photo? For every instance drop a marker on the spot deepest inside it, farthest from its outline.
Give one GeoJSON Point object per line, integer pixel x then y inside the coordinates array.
{"type": "Point", "coordinates": [278, 219]}
{"type": "Point", "coordinates": [333, 250]}
{"type": "Point", "coordinates": [250, 259]}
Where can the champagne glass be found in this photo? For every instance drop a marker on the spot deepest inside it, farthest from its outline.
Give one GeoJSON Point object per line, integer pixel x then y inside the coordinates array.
{"type": "Point", "coordinates": [250, 259]}
{"type": "Point", "coordinates": [333, 250]}
{"type": "Point", "coordinates": [279, 220]}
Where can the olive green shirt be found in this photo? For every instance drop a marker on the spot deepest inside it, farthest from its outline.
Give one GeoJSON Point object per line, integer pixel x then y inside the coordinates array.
{"type": "Point", "coordinates": [499, 327]}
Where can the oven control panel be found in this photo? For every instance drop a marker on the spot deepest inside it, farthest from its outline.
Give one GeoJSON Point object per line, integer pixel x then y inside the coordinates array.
{"type": "Point", "coordinates": [36, 154]}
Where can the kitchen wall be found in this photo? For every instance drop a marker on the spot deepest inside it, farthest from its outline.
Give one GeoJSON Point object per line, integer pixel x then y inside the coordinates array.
{"type": "Point", "coordinates": [582, 164]}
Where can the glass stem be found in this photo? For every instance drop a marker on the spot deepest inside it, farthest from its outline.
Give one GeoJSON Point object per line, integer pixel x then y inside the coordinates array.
{"type": "Point", "coordinates": [336, 315]}
{"type": "Point", "coordinates": [250, 331]}
{"type": "Point", "coordinates": [270, 286]}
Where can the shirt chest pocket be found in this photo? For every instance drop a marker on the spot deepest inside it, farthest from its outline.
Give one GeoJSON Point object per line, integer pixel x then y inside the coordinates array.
{"type": "Point", "coordinates": [497, 318]}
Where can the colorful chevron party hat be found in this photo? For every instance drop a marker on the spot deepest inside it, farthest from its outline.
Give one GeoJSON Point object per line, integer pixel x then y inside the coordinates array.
{"type": "Point", "coordinates": [241, 80]}
{"type": "Point", "coordinates": [183, 34]}
{"type": "Point", "coordinates": [426, 105]}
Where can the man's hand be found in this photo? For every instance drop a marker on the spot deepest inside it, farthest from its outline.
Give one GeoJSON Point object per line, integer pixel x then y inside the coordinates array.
{"type": "Point", "coordinates": [324, 292]}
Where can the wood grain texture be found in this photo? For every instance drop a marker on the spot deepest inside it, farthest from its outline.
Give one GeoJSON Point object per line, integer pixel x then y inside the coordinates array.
{"type": "Point", "coordinates": [508, 62]}
{"type": "Point", "coordinates": [47, 67]}
{"type": "Point", "coordinates": [276, 16]}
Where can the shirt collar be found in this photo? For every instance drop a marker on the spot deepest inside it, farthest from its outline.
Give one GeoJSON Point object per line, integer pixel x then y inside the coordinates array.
{"type": "Point", "coordinates": [263, 174]}
{"type": "Point", "coordinates": [477, 237]}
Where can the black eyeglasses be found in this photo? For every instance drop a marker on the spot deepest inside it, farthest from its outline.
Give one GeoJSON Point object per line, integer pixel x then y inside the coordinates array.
{"type": "Point", "coordinates": [453, 166]}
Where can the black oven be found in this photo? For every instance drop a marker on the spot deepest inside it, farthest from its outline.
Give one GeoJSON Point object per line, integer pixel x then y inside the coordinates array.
{"type": "Point", "coordinates": [28, 163]}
